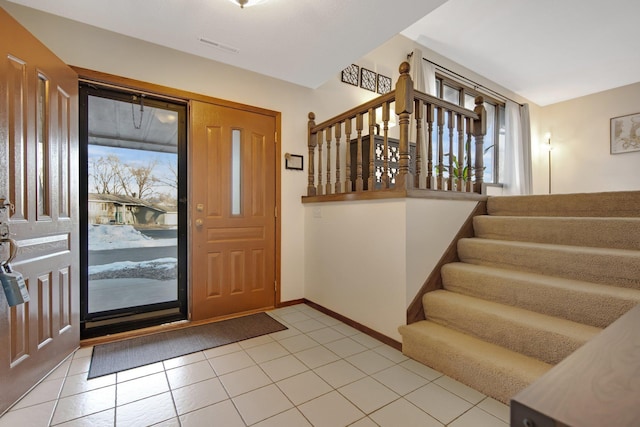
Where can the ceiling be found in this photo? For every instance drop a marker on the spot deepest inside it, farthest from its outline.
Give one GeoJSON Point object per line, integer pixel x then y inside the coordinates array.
{"type": "Point", "coordinates": [544, 50]}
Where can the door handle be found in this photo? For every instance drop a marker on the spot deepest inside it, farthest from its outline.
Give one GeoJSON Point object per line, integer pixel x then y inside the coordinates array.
{"type": "Point", "coordinates": [199, 222]}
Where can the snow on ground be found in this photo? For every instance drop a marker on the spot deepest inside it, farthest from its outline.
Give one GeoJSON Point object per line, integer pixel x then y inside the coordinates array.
{"type": "Point", "coordinates": [157, 269]}
{"type": "Point", "coordinates": [103, 237]}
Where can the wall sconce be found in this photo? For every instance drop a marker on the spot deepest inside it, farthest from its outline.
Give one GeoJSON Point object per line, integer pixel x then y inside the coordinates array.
{"type": "Point", "coordinates": [548, 147]}
{"type": "Point", "coordinates": [293, 161]}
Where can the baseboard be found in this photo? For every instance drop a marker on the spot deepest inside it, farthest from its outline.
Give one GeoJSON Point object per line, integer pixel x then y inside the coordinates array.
{"type": "Point", "coordinates": [364, 329]}
{"type": "Point", "coordinates": [290, 302]}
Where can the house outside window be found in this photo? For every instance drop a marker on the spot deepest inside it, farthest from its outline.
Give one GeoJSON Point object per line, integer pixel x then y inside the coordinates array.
{"type": "Point", "coordinates": [494, 141]}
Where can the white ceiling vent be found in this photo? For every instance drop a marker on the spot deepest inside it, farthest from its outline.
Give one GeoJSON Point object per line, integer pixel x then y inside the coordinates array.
{"type": "Point", "coordinates": [218, 45]}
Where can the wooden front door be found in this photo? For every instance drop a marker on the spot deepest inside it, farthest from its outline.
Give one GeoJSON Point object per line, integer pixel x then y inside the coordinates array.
{"type": "Point", "coordinates": [38, 175]}
{"type": "Point", "coordinates": [233, 218]}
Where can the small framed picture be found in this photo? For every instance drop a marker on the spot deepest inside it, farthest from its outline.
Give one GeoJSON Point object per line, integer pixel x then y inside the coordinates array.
{"type": "Point", "coordinates": [294, 161]}
{"type": "Point", "coordinates": [350, 74]}
{"type": "Point", "coordinates": [384, 84]}
{"type": "Point", "coordinates": [625, 134]}
{"type": "Point", "coordinates": [368, 79]}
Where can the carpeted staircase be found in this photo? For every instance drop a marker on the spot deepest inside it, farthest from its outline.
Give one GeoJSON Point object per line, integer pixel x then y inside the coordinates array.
{"type": "Point", "coordinates": [542, 276]}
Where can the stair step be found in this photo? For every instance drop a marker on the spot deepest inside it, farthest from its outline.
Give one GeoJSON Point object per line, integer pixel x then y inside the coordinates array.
{"type": "Point", "coordinates": [618, 233]}
{"type": "Point", "coordinates": [591, 304]}
{"type": "Point", "coordinates": [610, 204]}
{"type": "Point", "coordinates": [490, 369]}
{"type": "Point", "coordinates": [616, 267]}
{"type": "Point", "coordinates": [543, 337]}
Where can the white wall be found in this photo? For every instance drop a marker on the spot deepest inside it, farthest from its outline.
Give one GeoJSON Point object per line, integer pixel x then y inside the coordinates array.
{"type": "Point", "coordinates": [355, 261]}
{"type": "Point", "coordinates": [431, 226]}
{"type": "Point", "coordinates": [580, 136]}
{"type": "Point", "coordinates": [376, 253]}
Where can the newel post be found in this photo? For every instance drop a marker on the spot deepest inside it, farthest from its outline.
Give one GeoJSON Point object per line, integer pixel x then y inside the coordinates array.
{"type": "Point", "coordinates": [312, 142]}
{"type": "Point", "coordinates": [404, 109]}
{"type": "Point", "coordinates": [479, 131]}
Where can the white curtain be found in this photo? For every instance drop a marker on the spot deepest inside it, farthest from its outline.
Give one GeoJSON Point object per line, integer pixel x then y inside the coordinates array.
{"type": "Point", "coordinates": [423, 74]}
{"type": "Point", "coordinates": [429, 72]}
{"type": "Point", "coordinates": [416, 70]}
{"type": "Point", "coordinates": [517, 161]}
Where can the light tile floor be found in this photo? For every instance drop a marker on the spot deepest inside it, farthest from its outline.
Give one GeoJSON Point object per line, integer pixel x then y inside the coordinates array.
{"type": "Point", "coordinates": [319, 372]}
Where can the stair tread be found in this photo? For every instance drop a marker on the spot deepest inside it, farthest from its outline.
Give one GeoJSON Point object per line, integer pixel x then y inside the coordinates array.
{"type": "Point", "coordinates": [618, 267]}
{"type": "Point", "coordinates": [544, 337]}
{"type": "Point", "coordinates": [556, 247]}
{"type": "Point", "coordinates": [593, 304]}
{"type": "Point", "coordinates": [621, 233]}
{"type": "Point", "coordinates": [604, 204]}
{"type": "Point", "coordinates": [475, 346]}
{"type": "Point", "coordinates": [491, 369]}
{"type": "Point", "coordinates": [516, 314]}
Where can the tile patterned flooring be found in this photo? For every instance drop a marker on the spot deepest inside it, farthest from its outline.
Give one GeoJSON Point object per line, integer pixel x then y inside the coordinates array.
{"type": "Point", "coordinates": [319, 372]}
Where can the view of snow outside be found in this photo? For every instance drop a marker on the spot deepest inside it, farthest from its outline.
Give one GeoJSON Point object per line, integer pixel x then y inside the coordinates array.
{"type": "Point", "coordinates": [132, 264]}
{"type": "Point", "coordinates": [128, 268]}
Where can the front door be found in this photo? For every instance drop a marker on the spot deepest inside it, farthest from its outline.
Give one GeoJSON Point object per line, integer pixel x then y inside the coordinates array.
{"type": "Point", "coordinates": [233, 244]}
{"type": "Point", "coordinates": [38, 175]}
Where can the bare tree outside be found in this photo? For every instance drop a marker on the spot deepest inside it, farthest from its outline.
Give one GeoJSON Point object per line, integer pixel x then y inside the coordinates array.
{"type": "Point", "coordinates": [103, 176]}
{"type": "Point", "coordinates": [141, 179]}
{"type": "Point", "coordinates": [110, 175]}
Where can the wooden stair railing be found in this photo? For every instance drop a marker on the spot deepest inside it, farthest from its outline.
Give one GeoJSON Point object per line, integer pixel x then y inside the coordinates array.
{"type": "Point", "coordinates": [385, 163]}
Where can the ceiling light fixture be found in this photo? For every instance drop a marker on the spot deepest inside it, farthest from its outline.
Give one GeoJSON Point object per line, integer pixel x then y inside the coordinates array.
{"type": "Point", "coordinates": [247, 3]}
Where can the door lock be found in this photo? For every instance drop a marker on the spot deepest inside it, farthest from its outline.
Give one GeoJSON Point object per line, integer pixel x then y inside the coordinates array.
{"type": "Point", "coordinates": [199, 222]}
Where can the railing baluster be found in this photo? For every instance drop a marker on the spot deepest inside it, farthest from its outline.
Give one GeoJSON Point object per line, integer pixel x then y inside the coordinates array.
{"type": "Point", "coordinates": [329, 135]}
{"type": "Point", "coordinates": [430, 118]}
{"type": "Point", "coordinates": [419, 135]}
{"type": "Point", "coordinates": [461, 162]}
{"type": "Point", "coordinates": [320, 141]}
{"type": "Point", "coordinates": [312, 142]}
{"type": "Point", "coordinates": [338, 130]}
{"type": "Point", "coordinates": [347, 131]}
{"type": "Point", "coordinates": [479, 131]}
{"type": "Point", "coordinates": [359, 181]}
{"type": "Point", "coordinates": [440, 166]}
{"type": "Point", "coordinates": [385, 146]}
{"type": "Point", "coordinates": [469, 126]}
{"type": "Point", "coordinates": [371, 181]}
{"type": "Point", "coordinates": [451, 155]}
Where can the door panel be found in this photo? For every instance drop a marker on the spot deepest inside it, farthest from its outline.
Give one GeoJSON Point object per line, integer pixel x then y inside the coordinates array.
{"type": "Point", "coordinates": [233, 179]}
{"type": "Point", "coordinates": [38, 166]}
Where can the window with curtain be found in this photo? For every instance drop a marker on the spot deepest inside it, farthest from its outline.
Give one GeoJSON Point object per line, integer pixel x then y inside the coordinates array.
{"type": "Point", "coordinates": [494, 140]}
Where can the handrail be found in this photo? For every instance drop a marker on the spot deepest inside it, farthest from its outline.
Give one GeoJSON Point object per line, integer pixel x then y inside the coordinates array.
{"type": "Point", "coordinates": [352, 113]}
{"type": "Point", "coordinates": [428, 126]}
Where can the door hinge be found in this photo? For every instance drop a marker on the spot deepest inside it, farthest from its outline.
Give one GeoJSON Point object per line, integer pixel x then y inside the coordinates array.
{"type": "Point", "coordinates": [275, 286]}
{"type": "Point", "coordinates": [275, 211]}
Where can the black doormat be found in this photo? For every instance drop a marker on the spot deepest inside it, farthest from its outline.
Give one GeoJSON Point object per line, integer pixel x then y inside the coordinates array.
{"type": "Point", "coordinates": [132, 353]}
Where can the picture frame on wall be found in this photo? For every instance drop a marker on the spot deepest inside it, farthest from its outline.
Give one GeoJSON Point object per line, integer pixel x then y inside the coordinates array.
{"type": "Point", "coordinates": [625, 134]}
{"type": "Point", "coordinates": [294, 162]}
